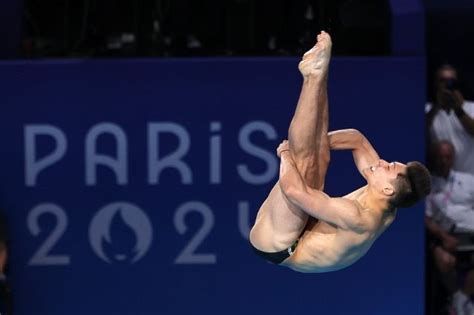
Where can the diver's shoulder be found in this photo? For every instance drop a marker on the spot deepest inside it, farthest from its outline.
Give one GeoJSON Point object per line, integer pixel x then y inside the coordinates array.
{"type": "Point", "coordinates": [355, 194]}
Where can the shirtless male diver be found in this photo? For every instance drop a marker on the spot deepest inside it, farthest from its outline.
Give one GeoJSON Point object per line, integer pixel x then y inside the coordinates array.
{"type": "Point", "coordinates": [299, 226]}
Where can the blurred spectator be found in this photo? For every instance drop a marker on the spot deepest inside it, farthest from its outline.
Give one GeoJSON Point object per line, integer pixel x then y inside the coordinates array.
{"type": "Point", "coordinates": [450, 117]}
{"type": "Point", "coordinates": [449, 220]}
{"type": "Point", "coordinates": [462, 299]}
{"type": "Point", "coordinates": [450, 204]}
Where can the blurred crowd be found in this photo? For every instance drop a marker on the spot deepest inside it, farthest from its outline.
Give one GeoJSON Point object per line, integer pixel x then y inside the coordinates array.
{"type": "Point", "coordinates": [175, 28]}
{"type": "Point", "coordinates": [449, 213]}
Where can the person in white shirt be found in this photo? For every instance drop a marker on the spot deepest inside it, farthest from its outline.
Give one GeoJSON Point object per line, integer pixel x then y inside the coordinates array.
{"type": "Point", "coordinates": [449, 215]}
{"type": "Point", "coordinates": [450, 117]}
{"type": "Point", "coordinates": [451, 201]}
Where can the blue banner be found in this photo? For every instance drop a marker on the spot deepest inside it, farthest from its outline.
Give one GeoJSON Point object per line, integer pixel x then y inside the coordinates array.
{"type": "Point", "coordinates": [130, 186]}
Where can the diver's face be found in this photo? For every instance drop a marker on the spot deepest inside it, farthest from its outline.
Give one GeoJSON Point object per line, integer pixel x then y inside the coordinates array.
{"type": "Point", "coordinates": [382, 174]}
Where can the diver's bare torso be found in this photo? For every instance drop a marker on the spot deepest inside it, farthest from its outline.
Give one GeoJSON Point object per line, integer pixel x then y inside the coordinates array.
{"type": "Point", "coordinates": [325, 247]}
{"type": "Point", "coordinates": [322, 246]}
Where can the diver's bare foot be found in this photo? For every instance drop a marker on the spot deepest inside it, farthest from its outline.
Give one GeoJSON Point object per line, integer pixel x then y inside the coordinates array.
{"type": "Point", "coordinates": [315, 61]}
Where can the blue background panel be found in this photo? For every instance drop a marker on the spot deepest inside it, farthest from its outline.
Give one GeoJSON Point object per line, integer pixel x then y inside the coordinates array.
{"type": "Point", "coordinates": [175, 242]}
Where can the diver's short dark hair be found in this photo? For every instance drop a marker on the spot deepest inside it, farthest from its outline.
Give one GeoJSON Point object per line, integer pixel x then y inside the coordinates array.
{"type": "Point", "coordinates": [412, 186]}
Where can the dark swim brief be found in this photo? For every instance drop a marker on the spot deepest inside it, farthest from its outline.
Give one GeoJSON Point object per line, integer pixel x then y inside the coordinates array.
{"type": "Point", "coordinates": [277, 257]}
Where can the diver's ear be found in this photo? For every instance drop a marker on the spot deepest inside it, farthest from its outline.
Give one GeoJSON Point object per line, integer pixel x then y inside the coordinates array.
{"type": "Point", "coordinates": [388, 191]}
